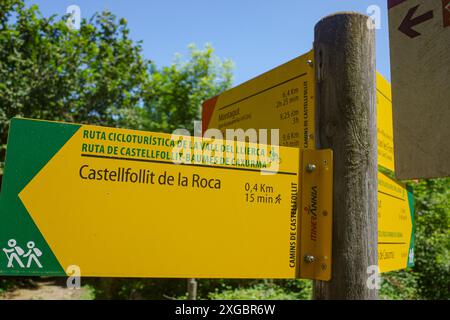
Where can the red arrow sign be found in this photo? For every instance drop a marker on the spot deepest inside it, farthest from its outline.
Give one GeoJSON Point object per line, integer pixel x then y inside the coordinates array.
{"type": "Point", "coordinates": [409, 22]}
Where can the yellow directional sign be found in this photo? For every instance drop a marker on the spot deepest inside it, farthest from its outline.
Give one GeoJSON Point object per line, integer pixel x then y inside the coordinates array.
{"type": "Point", "coordinates": [282, 98]}
{"type": "Point", "coordinates": [395, 225]}
{"type": "Point", "coordinates": [384, 124]}
{"type": "Point", "coordinates": [126, 203]}
{"type": "Point", "coordinates": [395, 202]}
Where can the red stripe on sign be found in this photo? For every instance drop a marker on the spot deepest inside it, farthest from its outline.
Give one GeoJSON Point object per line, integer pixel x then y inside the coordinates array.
{"type": "Point", "coordinates": [393, 3]}
{"type": "Point", "coordinates": [207, 112]}
{"type": "Point", "coordinates": [446, 12]}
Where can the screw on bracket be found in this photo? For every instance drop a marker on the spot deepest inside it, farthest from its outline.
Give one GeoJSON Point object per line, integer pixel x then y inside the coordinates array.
{"type": "Point", "coordinates": [310, 167]}
{"type": "Point", "coordinates": [309, 258]}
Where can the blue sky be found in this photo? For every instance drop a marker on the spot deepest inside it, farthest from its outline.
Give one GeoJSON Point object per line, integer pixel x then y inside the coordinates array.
{"type": "Point", "coordinates": [256, 35]}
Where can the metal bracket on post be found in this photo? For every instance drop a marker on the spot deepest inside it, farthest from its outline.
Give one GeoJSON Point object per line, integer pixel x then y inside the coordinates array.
{"type": "Point", "coordinates": [316, 214]}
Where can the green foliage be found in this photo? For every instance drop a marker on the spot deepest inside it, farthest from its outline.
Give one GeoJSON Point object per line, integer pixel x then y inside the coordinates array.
{"type": "Point", "coordinates": [432, 242]}
{"type": "Point", "coordinates": [255, 289]}
{"type": "Point", "coordinates": [266, 291]}
{"type": "Point", "coordinates": [175, 93]}
{"type": "Point", "coordinates": [207, 289]}
{"type": "Point", "coordinates": [48, 71]}
{"type": "Point", "coordinates": [399, 285]}
{"type": "Point", "coordinates": [96, 75]}
{"type": "Point", "coordinates": [136, 289]}
{"type": "Point", "coordinates": [430, 277]}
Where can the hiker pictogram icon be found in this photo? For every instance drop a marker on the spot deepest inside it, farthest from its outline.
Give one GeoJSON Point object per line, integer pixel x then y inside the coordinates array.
{"type": "Point", "coordinates": [14, 253]}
